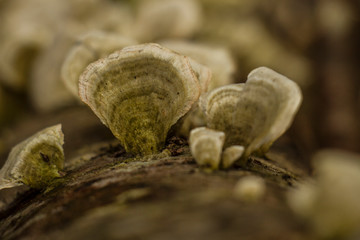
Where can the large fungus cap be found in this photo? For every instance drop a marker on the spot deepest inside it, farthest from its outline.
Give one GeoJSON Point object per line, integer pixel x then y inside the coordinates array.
{"type": "Point", "coordinates": [139, 93]}
{"type": "Point", "coordinates": [36, 161]}
{"type": "Point", "coordinates": [254, 114]}
{"type": "Point", "coordinates": [281, 100]}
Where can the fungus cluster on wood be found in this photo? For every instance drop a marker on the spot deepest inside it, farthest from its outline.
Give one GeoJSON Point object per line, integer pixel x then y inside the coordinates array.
{"type": "Point", "coordinates": [101, 56]}
{"type": "Point", "coordinates": [36, 161]}
{"type": "Point", "coordinates": [141, 91]}
{"type": "Point", "coordinates": [252, 115]}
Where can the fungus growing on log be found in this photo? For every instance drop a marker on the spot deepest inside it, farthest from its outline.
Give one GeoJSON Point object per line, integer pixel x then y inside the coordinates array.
{"type": "Point", "coordinates": [139, 93]}
{"type": "Point", "coordinates": [36, 161]}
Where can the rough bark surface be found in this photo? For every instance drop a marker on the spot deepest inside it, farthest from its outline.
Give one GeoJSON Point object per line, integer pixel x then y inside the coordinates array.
{"type": "Point", "coordinates": [110, 194]}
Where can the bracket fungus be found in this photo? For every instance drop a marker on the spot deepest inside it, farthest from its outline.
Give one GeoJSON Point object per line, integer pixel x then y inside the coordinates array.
{"type": "Point", "coordinates": [36, 161]}
{"type": "Point", "coordinates": [219, 106]}
{"type": "Point", "coordinates": [89, 48]}
{"type": "Point", "coordinates": [253, 114]}
{"type": "Point", "coordinates": [139, 93]}
{"type": "Point", "coordinates": [206, 146]}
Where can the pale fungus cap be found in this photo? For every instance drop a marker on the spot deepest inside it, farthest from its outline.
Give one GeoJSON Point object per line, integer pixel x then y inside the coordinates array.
{"type": "Point", "coordinates": [331, 201]}
{"type": "Point", "coordinates": [287, 101]}
{"type": "Point", "coordinates": [218, 59]}
{"type": "Point", "coordinates": [46, 90]}
{"type": "Point", "coordinates": [202, 73]}
{"type": "Point", "coordinates": [250, 188]}
{"type": "Point", "coordinates": [335, 17]}
{"type": "Point", "coordinates": [219, 106]}
{"type": "Point", "coordinates": [90, 47]}
{"type": "Point", "coordinates": [139, 93]}
{"type": "Point", "coordinates": [195, 118]}
{"type": "Point", "coordinates": [15, 58]}
{"type": "Point", "coordinates": [29, 30]}
{"type": "Point", "coordinates": [36, 161]}
{"type": "Point", "coordinates": [206, 146]}
{"type": "Point", "coordinates": [254, 114]}
{"type": "Point", "coordinates": [166, 18]}
{"type": "Point", "coordinates": [25, 33]}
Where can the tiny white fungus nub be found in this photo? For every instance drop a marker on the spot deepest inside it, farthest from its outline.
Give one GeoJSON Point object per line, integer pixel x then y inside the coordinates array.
{"type": "Point", "coordinates": [231, 155]}
{"type": "Point", "coordinates": [206, 146]}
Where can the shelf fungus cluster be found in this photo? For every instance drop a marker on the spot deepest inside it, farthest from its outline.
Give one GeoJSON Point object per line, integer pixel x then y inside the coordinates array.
{"type": "Point", "coordinates": [251, 115]}
{"type": "Point", "coordinates": [141, 91]}
{"type": "Point", "coordinates": [36, 161]}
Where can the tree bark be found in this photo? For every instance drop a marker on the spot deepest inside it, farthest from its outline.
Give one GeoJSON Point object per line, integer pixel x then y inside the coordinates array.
{"type": "Point", "coordinates": [110, 194]}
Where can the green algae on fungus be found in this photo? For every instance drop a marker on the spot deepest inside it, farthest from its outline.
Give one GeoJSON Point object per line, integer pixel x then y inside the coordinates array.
{"type": "Point", "coordinates": [139, 93]}
{"type": "Point", "coordinates": [36, 161]}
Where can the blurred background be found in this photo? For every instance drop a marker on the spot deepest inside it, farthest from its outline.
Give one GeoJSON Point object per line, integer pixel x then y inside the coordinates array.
{"type": "Point", "coordinates": [314, 43]}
